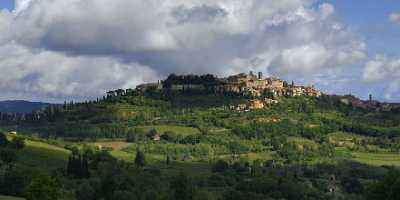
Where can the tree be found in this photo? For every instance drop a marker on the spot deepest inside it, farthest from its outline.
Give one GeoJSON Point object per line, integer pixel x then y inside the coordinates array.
{"type": "Point", "coordinates": [78, 165]}
{"type": "Point", "coordinates": [351, 184]}
{"type": "Point", "coordinates": [152, 133]}
{"type": "Point", "coordinates": [89, 190]}
{"type": "Point", "coordinates": [136, 135]}
{"type": "Point", "coordinates": [327, 150]}
{"type": "Point", "coordinates": [234, 148]}
{"type": "Point", "coordinates": [386, 189]}
{"type": "Point", "coordinates": [123, 195]}
{"type": "Point", "coordinates": [7, 156]}
{"type": "Point", "coordinates": [3, 140]}
{"type": "Point", "coordinates": [221, 166]}
{"type": "Point", "coordinates": [131, 136]}
{"type": "Point", "coordinates": [203, 195]}
{"type": "Point", "coordinates": [168, 160]}
{"type": "Point", "coordinates": [277, 142]}
{"type": "Point", "coordinates": [13, 181]}
{"type": "Point", "coordinates": [140, 160]}
{"type": "Point", "coordinates": [85, 166]}
{"type": "Point", "coordinates": [182, 187]}
{"type": "Point", "coordinates": [42, 188]}
{"type": "Point", "coordinates": [169, 136]}
{"type": "Point", "coordinates": [18, 143]}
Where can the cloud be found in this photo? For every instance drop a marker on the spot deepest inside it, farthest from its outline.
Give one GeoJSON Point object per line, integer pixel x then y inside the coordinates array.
{"type": "Point", "coordinates": [21, 5]}
{"type": "Point", "coordinates": [203, 13]}
{"type": "Point", "coordinates": [382, 68]}
{"type": "Point", "coordinates": [327, 10]}
{"type": "Point", "coordinates": [51, 75]}
{"type": "Point", "coordinates": [386, 71]}
{"type": "Point", "coordinates": [168, 36]}
{"type": "Point", "coordinates": [305, 58]}
{"type": "Point", "coordinates": [394, 18]}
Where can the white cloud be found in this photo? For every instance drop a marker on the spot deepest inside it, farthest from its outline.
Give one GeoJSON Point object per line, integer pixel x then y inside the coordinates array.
{"type": "Point", "coordinates": [394, 18]}
{"type": "Point", "coordinates": [21, 5]}
{"type": "Point", "coordinates": [326, 10]}
{"type": "Point", "coordinates": [165, 36]}
{"type": "Point", "coordinates": [305, 58]}
{"type": "Point", "coordinates": [382, 68]}
{"type": "Point", "coordinates": [37, 73]}
{"type": "Point", "coordinates": [385, 71]}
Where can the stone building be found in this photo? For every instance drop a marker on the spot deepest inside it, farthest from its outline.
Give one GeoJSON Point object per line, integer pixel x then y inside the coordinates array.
{"type": "Point", "coordinates": [312, 92]}
{"type": "Point", "coordinates": [275, 83]}
{"type": "Point", "coordinates": [295, 91]}
{"type": "Point", "coordinates": [256, 104]}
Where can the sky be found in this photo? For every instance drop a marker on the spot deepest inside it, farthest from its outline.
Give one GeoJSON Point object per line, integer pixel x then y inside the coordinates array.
{"type": "Point", "coordinates": [57, 50]}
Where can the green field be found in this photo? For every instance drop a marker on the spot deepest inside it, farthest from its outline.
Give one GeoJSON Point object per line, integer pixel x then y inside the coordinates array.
{"type": "Point", "coordinates": [182, 130]}
{"type": "Point", "coordinates": [46, 157]}
{"type": "Point", "coordinates": [369, 158]}
{"type": "Point", "coordinates": [342, 136]}
{"type": "Point", "coordinates": [10, 198]}
{"type": "Point", "coordinates": [41, 156]}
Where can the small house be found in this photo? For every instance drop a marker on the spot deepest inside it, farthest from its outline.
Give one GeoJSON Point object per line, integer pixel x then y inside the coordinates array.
{"type": "Point", "coordinates": [156, 137]}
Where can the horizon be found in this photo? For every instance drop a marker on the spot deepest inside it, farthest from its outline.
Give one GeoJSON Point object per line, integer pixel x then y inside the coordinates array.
{"type": "Point", "coordinates": [340, 47]}
{"type": "Point", "coordinates": [250, 73]}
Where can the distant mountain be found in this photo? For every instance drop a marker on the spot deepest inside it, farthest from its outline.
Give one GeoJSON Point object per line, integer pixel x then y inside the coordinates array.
{"type": "Point", "coordinates": [19, 106]}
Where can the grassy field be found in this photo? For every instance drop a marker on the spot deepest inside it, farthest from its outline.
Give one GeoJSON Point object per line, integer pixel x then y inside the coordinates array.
{"type": "Point", "coordinates": [342, 136]}
{"type": "Point", "coordinates": [41, 156]}
{"type": "Point", "coordinates": [10, 198]}
{"type": "Point", "coordinates": [377, 159]}
{"type": "Point", "coordinates": [374, 159]}
{"type": "Point", "coordinates": [158, 162]}
{"type": "Point", "coordinates": [45, 157]}
{"type": "Point", "coordinates": [182, 130]}
{"type": "Point", "coordinates": [303, 141]}
{"type": "Point", "coordinates": [115, 145]}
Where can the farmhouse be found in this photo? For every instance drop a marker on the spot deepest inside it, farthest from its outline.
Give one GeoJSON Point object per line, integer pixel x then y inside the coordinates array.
{"type": "Point", "coordinates": [256, 104]}
{"type": "Point", "coordinates": [156, 137]}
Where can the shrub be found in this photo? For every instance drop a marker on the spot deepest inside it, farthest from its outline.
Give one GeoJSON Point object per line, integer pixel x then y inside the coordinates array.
{"type": "Point", "coordinates": [18, 143]}
{"type": "Point", "coordinates": [3, 140]}
{"type": "Point", "coordinates": [221, 166]}
{"type": "Point", "coordinates": [140, 160]}
{"type": "Point", "coordinates": [42, 188]}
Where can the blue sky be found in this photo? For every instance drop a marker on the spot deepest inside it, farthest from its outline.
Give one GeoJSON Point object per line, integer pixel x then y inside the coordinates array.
{"type": "Point", "coordinates": [370, 19]}
{"type": "Point", "coordinates": [8, 4]}
{"type": "Point", "coordinates": [341, 46]}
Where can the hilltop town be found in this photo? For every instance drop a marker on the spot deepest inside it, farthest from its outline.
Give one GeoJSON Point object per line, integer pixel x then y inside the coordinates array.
{"type": "Point", "coordinates": [264, 91]}
{"type": "Point", "coordinates": [240, 84]}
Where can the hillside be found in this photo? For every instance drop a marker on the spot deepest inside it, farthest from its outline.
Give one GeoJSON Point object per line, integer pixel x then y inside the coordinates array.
{"type": "Point", "coordinates": [216, 143]}
{"type": "Point", "coordinates": [19, 106]}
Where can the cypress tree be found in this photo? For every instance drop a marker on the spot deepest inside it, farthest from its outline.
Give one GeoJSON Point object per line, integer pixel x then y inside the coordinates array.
{"type": "Point", "coordinates": [140, 160]}
{"type": "Point", "coordinates": [85, 167]}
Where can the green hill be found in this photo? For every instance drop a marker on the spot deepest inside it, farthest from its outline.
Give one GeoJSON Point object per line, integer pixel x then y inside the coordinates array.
{"type": "Point", "coordinates": [42, 156]}
{"type": "Point", "coordinates": [202, 140]}
{"type": "Point", "coordinates": [21, 106]}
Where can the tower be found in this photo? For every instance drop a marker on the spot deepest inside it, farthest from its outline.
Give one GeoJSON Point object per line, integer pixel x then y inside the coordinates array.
{"type": "Point", "coordinates": [251, 73]}
{"type": "Point", "coordinates": [260, 75]}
